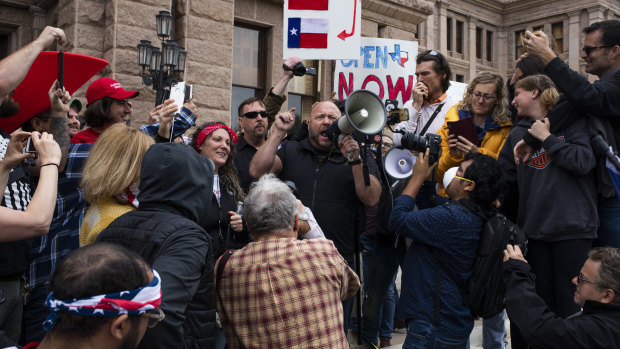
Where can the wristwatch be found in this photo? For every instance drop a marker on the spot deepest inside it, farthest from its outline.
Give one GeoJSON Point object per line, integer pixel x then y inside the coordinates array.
{"type": "Point", "coordinates": [303, 216]}
{"type": "Point", "coordinates": [356, 161]}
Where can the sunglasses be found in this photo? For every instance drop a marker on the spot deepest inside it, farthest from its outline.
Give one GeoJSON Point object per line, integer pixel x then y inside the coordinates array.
{"type": "Point", "coordinates": [436, 57]}
{"type": "Point", "coordinates": [589, 49]}
{"type": "Point", "coordinates": [255, 114]}
{"type": "Point", "coordinates": [463, 178]}
{"type": "Point", "coordinates": [485, 97]}
{"type": "Point", "coordinates": [154, 317]}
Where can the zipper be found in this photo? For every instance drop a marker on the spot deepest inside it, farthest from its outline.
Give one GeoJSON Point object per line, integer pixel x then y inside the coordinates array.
{"type": "Point", "coordinates": [316, 177]}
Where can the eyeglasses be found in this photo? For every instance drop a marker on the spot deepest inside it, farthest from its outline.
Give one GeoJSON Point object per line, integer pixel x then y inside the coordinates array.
{"type": "Point", "coordinates": [463, 178]}
{"type": "Point", "coordinates": [485, 97]}
{"type": "Point", "coordinates": [581, 280]}
{"type": "Point", "coordinates": [255, 114]}
{"type": "Point", "coordinates": [589, 49]}
{"type": "Point", "coordinates": [387, 145]}
{"type": "Point", "coordinates": [154, 317]}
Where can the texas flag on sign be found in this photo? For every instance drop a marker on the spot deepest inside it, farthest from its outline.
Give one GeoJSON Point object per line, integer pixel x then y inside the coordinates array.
{"type": "Point", "coordinates": [307, 32]}
{"type": "Point", "coordinates": [317, 5]}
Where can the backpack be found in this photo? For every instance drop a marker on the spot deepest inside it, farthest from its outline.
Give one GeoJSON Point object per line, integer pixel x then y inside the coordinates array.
{"type": "Point", "coordinates": [485, 290]}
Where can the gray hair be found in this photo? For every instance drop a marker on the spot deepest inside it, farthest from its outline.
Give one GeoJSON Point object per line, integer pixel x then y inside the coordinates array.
{"type": "Point", "coordinates": [269, 207]}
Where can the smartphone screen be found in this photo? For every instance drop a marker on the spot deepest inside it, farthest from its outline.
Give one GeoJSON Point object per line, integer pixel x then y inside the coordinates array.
{"type": "Point", "coordinates": [30, 146]}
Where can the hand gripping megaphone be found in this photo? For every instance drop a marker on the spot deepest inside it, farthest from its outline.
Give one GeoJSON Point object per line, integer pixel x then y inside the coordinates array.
{"type": "Point", "coordinates": [398, 163]}
{"type": "Point", "coordinates": [364, 111]}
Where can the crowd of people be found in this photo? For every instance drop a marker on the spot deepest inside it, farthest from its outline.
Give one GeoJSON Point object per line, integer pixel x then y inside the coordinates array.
{"type": "Point", "coordinates": [248, 238]}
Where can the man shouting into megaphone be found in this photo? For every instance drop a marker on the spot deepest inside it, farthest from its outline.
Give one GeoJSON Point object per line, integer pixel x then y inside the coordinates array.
{"type": "Point", "coordinates": [329, 179]}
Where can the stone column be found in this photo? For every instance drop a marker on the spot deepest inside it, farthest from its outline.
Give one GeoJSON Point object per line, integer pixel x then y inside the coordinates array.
{"type": "Point", "coordinates": [483, 46]}
{"type": "Point", "coordinates": [596, 13]}
{"type": "Point", "coordinates": [38, 20]}
{"type": "Point", "coordinates": [471, 48]}
{"type": "Point", "coordinates": [573, 40]}
{"type": "Point", "coordinates": [442, 30]}
{"type": "Point", "coordinates": [501, 51]}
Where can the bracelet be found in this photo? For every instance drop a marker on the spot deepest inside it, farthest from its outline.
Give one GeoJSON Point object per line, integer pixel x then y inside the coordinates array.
{"type": "Point", "coordinates": [51, 163]}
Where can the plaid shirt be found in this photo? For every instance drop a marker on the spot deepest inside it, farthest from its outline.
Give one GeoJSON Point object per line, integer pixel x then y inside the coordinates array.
{"type": "Point", "coordinates": [185, 120]}
{"type": "Point", "coordinates": [64, 233]}
{"type": "Point", "coordinates": [284, 293]}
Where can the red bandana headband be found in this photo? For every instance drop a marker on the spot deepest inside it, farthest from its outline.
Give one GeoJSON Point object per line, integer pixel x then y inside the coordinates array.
{"type": "Point", "coordinates": [207, 131]}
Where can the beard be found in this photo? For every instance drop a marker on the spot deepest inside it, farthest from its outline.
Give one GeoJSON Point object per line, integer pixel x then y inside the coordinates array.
{"type": "Point", "coordinates": [256, 133]}
{"type": "Point", "coordinates": [9, 107]}
{"type": "Point", "coordinates": [314, 135]}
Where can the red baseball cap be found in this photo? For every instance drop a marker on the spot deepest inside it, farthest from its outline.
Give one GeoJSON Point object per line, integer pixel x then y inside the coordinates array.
{"type": "Point", "coordinates": [106, 87]}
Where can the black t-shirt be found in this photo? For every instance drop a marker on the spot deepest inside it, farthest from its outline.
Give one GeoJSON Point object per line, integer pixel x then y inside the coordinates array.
{"type": "Point", "coordinates": [245, 153]}
{"type": "Point", "coordinates": [325, 184]}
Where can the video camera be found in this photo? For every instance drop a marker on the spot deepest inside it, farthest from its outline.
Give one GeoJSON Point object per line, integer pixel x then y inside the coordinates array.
{"type": "Point", "coordinates": [300, 70]}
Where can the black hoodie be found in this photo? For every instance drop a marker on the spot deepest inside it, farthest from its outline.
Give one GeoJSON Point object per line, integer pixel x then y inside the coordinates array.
{"type": "Point", "coordinates": [176, 185]}
{"type": "Point", "coordinates": [557, 189]}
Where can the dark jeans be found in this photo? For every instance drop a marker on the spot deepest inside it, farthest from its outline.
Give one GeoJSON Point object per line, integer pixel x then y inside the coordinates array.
{"type": "Point", "coordinates": [35, 313]}
{"type": "Point", "coordinates": [385, 262]}
{"type": "Point", "coordinates": [423, 335]}
{"type": "Point", "coordinates": [347, 306]}
{"type": "Point", "coordinates": [386, 313]}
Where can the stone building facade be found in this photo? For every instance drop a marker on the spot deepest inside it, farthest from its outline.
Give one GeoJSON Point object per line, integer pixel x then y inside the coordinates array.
{"type": "Point", "coordinates": [485, 35]}
{"type": "Point", "coordinates": [235, 50]}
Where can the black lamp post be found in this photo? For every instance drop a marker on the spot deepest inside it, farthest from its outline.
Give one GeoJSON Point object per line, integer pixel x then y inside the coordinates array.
{"type": "Point", "coordinates": [161, 68]}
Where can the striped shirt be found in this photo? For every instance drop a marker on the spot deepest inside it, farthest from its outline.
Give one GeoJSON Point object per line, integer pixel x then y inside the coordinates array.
{"type": "Point", "coordinates": [17, 193]}
{"type": "Point", "coordinates": [285, 293]}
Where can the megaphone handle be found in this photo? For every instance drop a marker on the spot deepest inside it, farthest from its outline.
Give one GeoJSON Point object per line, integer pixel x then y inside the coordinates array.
{"type": "Point", "coordinates": [349, 154]}
{"type": "Point", "coordinates": [365, 165]}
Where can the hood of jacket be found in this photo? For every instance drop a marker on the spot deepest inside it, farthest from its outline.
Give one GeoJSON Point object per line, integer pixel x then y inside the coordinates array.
{"type": "Point", "coordinates": [175, 178]}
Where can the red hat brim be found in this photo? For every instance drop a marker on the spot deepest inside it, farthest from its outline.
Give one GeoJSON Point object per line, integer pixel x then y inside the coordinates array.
{"type": "Point", "coordinates": [31, 94]}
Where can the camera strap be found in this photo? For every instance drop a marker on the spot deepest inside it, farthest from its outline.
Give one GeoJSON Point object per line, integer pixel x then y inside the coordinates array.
{"type": "Point", "coordinates": [430, 121]}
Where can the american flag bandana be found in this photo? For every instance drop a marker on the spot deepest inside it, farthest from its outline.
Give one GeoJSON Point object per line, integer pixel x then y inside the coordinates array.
{"type": "Point", "coordinates": [134, 302]}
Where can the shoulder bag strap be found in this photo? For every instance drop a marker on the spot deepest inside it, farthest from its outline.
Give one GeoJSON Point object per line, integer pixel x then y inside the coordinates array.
{"type": "Point", "coordinates": [430, 121]}
{"type": "Point", "coordinates": [220, 267]}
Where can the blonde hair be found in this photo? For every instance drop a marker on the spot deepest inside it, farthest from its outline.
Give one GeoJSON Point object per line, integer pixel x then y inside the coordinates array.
{"type": "Point", "coordinates": [114, 162]}
{"type": "Point", "coordinates": [546, 90]}
{"type": "Point", "coordinates": [500, 111]}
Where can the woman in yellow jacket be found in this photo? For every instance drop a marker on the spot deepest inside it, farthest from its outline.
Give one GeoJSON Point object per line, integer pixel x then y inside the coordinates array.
{"type": "Point", "coordinates": [485, 101]}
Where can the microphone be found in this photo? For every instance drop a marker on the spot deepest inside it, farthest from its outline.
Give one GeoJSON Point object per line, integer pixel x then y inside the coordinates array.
{"type": "Point", "coordinates": [599, 144]}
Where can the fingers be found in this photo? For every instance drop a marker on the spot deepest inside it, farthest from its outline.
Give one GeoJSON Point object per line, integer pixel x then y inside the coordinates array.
{"type": "Point", "coordinates": [19, 136]}
{"type": "Point", "coordinates": [516, 152]}
{"type": "Point", "coordinates": [191, 106]}
{"type": "Point", "coordinates": [292, 61]}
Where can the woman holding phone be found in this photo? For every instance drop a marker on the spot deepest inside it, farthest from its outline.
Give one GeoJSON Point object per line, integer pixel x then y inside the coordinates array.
{"type": "Point", "coordinates": [485, 102]}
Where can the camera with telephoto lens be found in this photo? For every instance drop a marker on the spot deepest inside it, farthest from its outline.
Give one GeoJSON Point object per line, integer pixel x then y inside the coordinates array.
{"type": "Point", "coordinates": [419, 143]}
{"type": "Point", "coordinates": [300, 70]}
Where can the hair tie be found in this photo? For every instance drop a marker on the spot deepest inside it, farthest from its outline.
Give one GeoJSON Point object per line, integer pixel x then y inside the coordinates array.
{"type": "Point", "coordinates": [210, 128]}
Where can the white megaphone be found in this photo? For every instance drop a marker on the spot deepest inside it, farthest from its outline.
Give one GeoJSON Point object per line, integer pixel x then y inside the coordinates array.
{"type": "Point", "coordinates": [364, 111]}
{"type": "Point", "coordinates": [398, 163]}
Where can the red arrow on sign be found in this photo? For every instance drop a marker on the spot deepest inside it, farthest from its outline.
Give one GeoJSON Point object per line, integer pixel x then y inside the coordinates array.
{"type": "Point", "coordinates": [343, 35]}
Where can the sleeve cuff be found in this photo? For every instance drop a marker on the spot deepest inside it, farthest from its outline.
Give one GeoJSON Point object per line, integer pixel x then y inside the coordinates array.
{"type": "Point", "coordinates": [549, 142]}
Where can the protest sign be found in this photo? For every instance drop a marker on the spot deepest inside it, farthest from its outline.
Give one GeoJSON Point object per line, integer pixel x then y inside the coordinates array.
{"type": "Point", "coordinates": [321, 29]}
{"type": "Point", "coordinates": [385, 67]}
